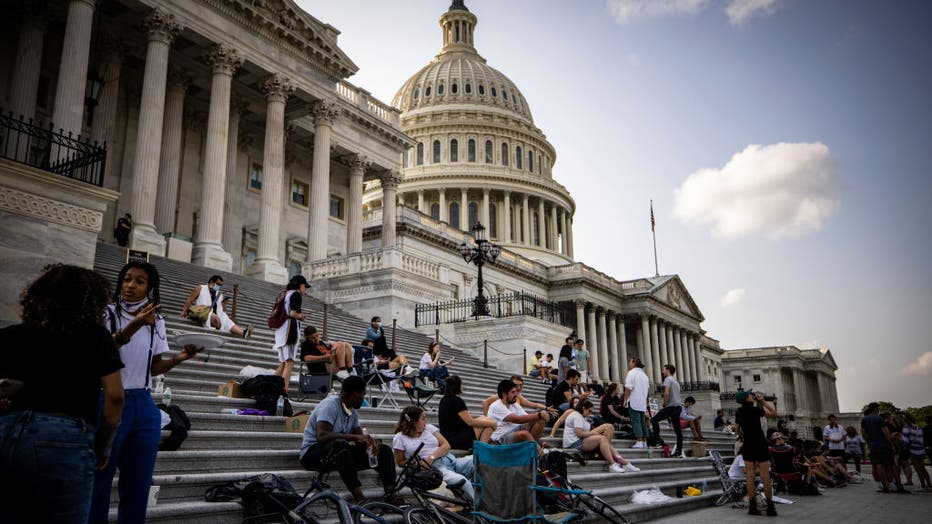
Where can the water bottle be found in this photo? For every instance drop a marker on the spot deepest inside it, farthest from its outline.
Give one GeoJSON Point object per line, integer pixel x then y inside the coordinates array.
{"type": "Point", "coordinates": [167, 397]}
{"type": "Point", "coordinates": [650, 452]}
{"type": "Point", "coordinates": [373, 458]}
{"type": "Point", "coordinates": [280, 406]}
{"type": "Point", "coordinates": [704, 485]}
{"type": "Point", "coordinates": [159, 386]}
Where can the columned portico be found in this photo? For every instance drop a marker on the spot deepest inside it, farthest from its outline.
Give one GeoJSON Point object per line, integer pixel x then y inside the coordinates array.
{"type": "Point", "coordinates": [687, 373]}
{"type": "Point", "coordinates": [162, 30]}
{"type": "Point", "coordinates": [671, 347]}
{"type": "Point", "coordinates": [581, 323]}
{"type": "Point", "coordinates": [464, 209]}
{"type": "Point", "coordinates": [444, 210]}
{"type": "Point", "coordinates": [541, 225]}
{"type": "Point", "coordinates": [268, 266]}
{"type": "Point", "coordinates": [569, 233]}
{"type": "Point", "coordinates": [358, 165]}
{"type": "Point", "coordinates": [324, 112]}
{"type": "Point", "coordinates": [105, 114]}
{"type": "Point", "coordinates": [208, 248]}
{"type": "Point", "coordinates": [662, 339]}
{"type": "Point", "coordinates": [565, 239]}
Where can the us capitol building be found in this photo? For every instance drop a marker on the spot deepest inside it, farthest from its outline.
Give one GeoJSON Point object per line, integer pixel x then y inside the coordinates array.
{"type": "Point", "coordinates": [235, 141]}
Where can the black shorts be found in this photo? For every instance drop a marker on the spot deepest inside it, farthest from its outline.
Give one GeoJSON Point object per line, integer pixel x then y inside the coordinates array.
{"type": "Point", "coordinates": [840, 453]}
{"type": "Point", "coordinates": [882, 457]}
{"type": "Point", "coordinates": [755, 453]}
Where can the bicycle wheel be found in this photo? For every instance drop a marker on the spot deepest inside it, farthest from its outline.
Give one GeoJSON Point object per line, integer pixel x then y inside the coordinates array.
{"type": "Point", "coordinates": [421, 516]}
{"type": "Point", "coordinates": [376, 512]}
{"type": "Point", "coordinates": [602, 508]}
{"type": "Point", "coordinates": [322, 508]}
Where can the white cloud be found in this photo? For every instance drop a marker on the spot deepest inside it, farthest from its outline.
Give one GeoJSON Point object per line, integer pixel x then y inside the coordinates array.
{"type": "Point", "coordinates": [627, 10]}
{"type": "Point", "coordinates": [920, 368]}
{"type": "Point", "coordinates": [733, 297]}
{"type": "Point", "coordinates": [781, 190]}
{"type": "Point", "coordinates": [740, 11]}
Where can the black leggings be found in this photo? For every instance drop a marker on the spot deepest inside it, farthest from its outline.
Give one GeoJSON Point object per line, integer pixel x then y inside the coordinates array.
{"type": "Point", "coordinates": [347, 460]}
{"type": "Point", "coordinates": [671, 413]}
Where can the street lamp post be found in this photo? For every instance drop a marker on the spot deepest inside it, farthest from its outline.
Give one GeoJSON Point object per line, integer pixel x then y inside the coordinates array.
{"type": "Point", "coordinates": [484, 251]}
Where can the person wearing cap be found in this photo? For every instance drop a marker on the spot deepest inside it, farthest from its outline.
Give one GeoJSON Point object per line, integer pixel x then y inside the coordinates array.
{"type": "Point", "coordinates": [533, 368]}
{"type": "Point", "coordinates": [755, 449]}
{"type": "Point", "coordinates": [288, 335]}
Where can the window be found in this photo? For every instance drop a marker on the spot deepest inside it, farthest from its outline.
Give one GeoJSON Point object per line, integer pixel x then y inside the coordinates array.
{"type": "Point", "coordinates": [539, 164]}
{"type": "Point", "coordinates": [493, 222]}
{"type": "Point", "coordinates": [435, 211]}
{"type": "Point", "coordinates": [436, 153]}
{"type": "Point", "coordinates": [427, 91]}
{"type": "Point", "coordinates": [420, 153]}
{"type": "Point", "coordinates": [473, 214]}
{"type": "Point", "coordinates": [504, 95]}
{"type": "Point", "coordinates": [404, 159]}
{"type": "Point", "coordinates": [250, 257]}
{"type": "Point", "coordinates": [756, 378]}
{"type": "Point", "coordinates": [468, 88]}
{"type": "Point", "coordinates": [416, 92]}
{"type": "Point", "coordinates": [440, 89]}
{"type": "Point", "coordinates": [488, 152]}
{"type": "Point", "coordinates": [255, 176]}
{"type": "Point", "coordinates": [535, 233]}
{"type": "Point", "coordinates": [530, 161]}
{"type": "Point", "coordinates": [513, 99]}
{"type": "Point", "coordinates": [504, 154]}
{"type": "Point", "coordinates": [518, 157]}
{"type": "Point", "coordinates": [299, 192]}
{"type": "Point", "coordinates": [454, 151]}
{"type": "Point", "coordinates": [294, 268]}
{"type": "Point", "coordinates": [494, 92]}
{"type": "Point", "coordinates": [336, 207]}
{"type": "Point", "coordinates": [737, 379]}
{"type": "Point", "coordinates": [455, 214]}
{"type": "Point", "coordinates": [453, 88]}
{"type": "Point", "coordinates": [481, 89]}
{"type": "Point", "coordinates": [471, 150]}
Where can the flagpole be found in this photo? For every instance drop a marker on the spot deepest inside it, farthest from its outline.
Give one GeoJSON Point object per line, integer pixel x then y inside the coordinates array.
{"type": "Point", "coordinates": [654, 235]}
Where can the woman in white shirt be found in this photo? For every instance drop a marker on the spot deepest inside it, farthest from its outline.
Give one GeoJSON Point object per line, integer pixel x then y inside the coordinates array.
{"type": "Point", "coordinates": [412, 431]}
{"type": "Point", "coordinates": [139, 332]}
{"type": "Point", "coordinates": [577, 434]}
{"type": "Point", "coordinates": [431, 367]}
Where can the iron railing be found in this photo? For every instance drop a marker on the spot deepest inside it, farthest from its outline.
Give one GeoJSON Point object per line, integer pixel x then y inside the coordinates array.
{"type": "Point", "coordinates": [698, 385]}
{"type": "Point", "coordinates": [40, 146]}
{"type": "Point", "coordinates": [730, 395]}
{"type": "Point", "coordinates": [500, 306]}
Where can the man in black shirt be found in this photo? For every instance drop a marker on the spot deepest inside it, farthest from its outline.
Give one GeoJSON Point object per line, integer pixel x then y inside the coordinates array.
{"type": "Point", "coordinates": [563, 393]}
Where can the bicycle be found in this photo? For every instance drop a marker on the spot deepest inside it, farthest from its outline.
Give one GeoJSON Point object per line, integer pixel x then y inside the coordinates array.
{"type": "Point", "coordinates": [581, 501]}
{"type": "Point", "coordinates": [431, 508]}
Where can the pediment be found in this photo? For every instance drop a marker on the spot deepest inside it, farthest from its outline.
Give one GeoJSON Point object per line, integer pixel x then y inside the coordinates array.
{"type": "Point", "coordinates": [671, 291]}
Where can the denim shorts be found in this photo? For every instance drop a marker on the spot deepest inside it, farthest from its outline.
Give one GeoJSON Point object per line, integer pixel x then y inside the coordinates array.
{"type": "Point", "coordinates": [576, 445]}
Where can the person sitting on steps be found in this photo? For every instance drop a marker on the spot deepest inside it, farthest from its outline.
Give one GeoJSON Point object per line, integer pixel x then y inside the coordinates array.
{"type": "Point", "coordinates": [210, 295]}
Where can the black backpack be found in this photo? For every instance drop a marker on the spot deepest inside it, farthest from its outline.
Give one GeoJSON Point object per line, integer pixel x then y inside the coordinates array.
{"type": "Point", "coordinates": [266, 497]}
{"type": "Point", "coordinates": [554, 462]}
{"type": "Point", "coordinates": [267, 389]}
{"type": "Point", "coordinates": [179, 427]}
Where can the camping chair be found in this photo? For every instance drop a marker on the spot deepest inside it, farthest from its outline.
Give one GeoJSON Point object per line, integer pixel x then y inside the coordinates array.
{"type": "Point", "coordinates": [506, 485]}
{"type": "Point", "coordinates": [418, 393]}
{"type": "Point", "coordinates": [786, 476]}
{"type": "Point", "coordinates": [362, 359]}
{"type": "Point", "coordinates": [733, 490]}
{"type": "Point", "coordinates": [313, 386]}
{"type": "Point", "coordinates": [381, 385]}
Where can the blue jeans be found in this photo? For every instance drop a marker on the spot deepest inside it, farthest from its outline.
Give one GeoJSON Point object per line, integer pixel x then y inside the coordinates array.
{"type": "Point", "coordinates": [46, 467]}
{"type": "Point", "coordinates": [134, 449]}
{"type": "Point", "coordinates": [455, 469]}
{"type": "Point", "coordinates": [436, 374]}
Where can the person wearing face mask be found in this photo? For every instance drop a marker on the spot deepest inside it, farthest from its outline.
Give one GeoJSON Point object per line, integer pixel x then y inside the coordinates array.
{"type": "Point", "coordinates": [387, 358]}
{"type": "Point", "coordinates": [210, 295]}
{"type": "Point", "coordinates": [138, 331]}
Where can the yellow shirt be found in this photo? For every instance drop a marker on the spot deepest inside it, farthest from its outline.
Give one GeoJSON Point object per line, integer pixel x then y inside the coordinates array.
{"type": "Point", "coordinates": [535, 363]}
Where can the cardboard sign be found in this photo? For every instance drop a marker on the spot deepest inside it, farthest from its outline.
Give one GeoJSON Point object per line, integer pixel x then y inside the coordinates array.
{"type": "Point", "coordinates": [136, 255]}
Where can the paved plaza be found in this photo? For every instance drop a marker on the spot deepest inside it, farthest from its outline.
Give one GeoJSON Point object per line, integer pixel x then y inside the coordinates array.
{"type": "Point", "coordinates": [853, 504]}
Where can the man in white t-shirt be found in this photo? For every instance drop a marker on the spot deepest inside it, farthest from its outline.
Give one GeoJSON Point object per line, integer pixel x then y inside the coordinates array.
{"type": "Point", "coordinates": [514, 424]}
{"type": "Point", "coordinates": [637, 387]}
{"type": "Point", "coordinates": [834, 436]}
{"type": "Point", "coordinates": [736, 470]}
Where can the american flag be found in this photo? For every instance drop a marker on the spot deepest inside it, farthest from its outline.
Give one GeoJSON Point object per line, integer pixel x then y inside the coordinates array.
{"type": "Point", "coordinates": [652, 222]}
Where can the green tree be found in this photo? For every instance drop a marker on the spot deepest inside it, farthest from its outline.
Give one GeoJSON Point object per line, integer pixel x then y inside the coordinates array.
{"type": "Point", "coordinates": [884, 406]}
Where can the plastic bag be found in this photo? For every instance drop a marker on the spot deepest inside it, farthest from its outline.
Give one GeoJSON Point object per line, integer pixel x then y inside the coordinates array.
{"type": "Point", "coordinates": [252, 371]}
{"type": "Point", "coordinates": [649, 496]}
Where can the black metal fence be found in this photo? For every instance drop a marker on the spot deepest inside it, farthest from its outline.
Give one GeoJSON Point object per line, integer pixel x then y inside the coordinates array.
{"type": "Point", "coordinates": [699, 385]}
{"type": "Point", "coordinates": [40, 146]}
{"type": "Point", "coordinates": [500, 306]}
{"type": "Point", "coordinates": [730, 395]}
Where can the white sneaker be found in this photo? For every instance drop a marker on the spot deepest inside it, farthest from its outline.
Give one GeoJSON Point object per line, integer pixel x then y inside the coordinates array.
{"type": "Point", "coordinates": [343, 374]}
{"type": "Point", "coordinates": [615, 468]}
{"type": "Point", "coordinates": [639, 445]}
{"type": "Point", "coordinates": [630, 467]}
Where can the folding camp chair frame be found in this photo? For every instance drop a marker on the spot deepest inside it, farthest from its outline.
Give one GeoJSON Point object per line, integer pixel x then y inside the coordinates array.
{"type": "Point", "coordinates": [322, 385]}
{"type": "Point", "coordinates": [379, 387]}
{"type": "Point", "coordinates": [733, 490]}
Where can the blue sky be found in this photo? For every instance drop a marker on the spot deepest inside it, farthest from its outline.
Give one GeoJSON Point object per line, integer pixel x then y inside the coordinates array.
{"type": "Point", "coordinates": [785, 143]}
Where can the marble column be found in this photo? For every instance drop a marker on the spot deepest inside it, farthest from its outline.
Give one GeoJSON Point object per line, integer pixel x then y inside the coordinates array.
{"type": "Point", "coordinates": [233, 199]}
{"type": "Point", "coordinates": [170, 158]}
{"type": "Point", "coordinates": [464, 209]}
{"type": "Point", "coordinates": [662, 339]}
{"type": "Point", "coordinates": [318, 220]}
{"type": "Point", "coordinates": [644, 349]}
{"type": "Point", "coordinates": [687, 372]}
{"type": "Point", "coordinates": [110, 66]}
{"type": "Point", "coordinates": [613, 347]}
{"type": "Point", "coordinates": [655, 352]}
{"type": "Point", "coordinates": [593, 342]}
{"type": "Point", "coordinates": [581, 323]}
{"type": "Point", "coordinates": [162, 30]}
{"type": "Point", "coordinates": [678, 351]}
{"type": "Point", "coordinates": [671, 347]}
{"type": "Point", "coordinates": [68, 114]}
{"type": "Point", "coordinates": [485, 214]}
{"type": "Point", "coordinates": [604, 371]}
{"type": "Point", "coordinates": [267, 266]}
{"type": "Point", "coordinates": [28, 62]}
{"type": "Point", "coordinates": [390, 181]}
{"type": "Point", "coordinates": [553, 229]}
{"type": "Point", "coordinates": [563, 241]}
{"type": "Point", "coordinates": [700, 362]}
{"type": "Point", "coordinates": [208, 247]}
{"type": "Point", "coordinates": [421, 207]}
{"type": "Point", "coordinates": [526, 226]}
{"type": "Point", "coordinates": [358, 165]}
{"type": "Point", "coordinates": [622, 348]}
{"type": "Point", "coordinates": [541, 225]}
{"type": "Point", "coordinates": [569, 231]}
{"type": "Point", "coordinates": [506, 238]}
{"type": "Point", "coordinates": [444, 210]}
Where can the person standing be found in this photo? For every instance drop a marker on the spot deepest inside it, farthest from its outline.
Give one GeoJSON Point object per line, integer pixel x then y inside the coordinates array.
{"type": "Point", "coordinates": [582, 361]}
{"type": "Point", "coordinates": [755, 451]}
{"type": "Point", "coordinates": [672, 408]}
{"type": "Point", "coordinates": [854, 447]}
{"type": "Point", "coordinates": [210, 295]}
{"type": "Point", "coordinates": [139, 332]}
{"type": "Point", "coordinates": [287, 336]}
{"type": "Point", "coordinates": [834, 435]}
{"type": "Point", "coordinates": [637, 387]}
{"type": "Point", "coordinates": [914, 447]}
{"type": "Point", "coordinates": [48, 449]}
{"type": "Point", "coordinates": [123, 228]}
{"type": "Point", "coordinates": [879, 441]}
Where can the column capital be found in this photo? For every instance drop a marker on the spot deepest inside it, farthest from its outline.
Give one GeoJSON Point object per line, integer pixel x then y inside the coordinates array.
{"type": "Point", "coordinates": [580, 303]}
{"type": "Point", "coordinates": [324, 111]}
{"type": "Point", "coordinates": [224, 59]}
{"type": "Point", "coordinates": [357, 163]}
{"type": "Point", "coordinates": [161, 26]}
{"type": "Point", "coordinates": [277, 87]}
{"type": "Point", "coordinates": [390, 180]}
{"type": "Point", "coordinates": [179, 78]}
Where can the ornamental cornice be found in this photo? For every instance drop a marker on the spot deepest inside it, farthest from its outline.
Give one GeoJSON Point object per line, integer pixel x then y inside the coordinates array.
{"type": "Point", "coordinates": [161, 26]}
{"type": "Point", "coordinates": [43, 208]}
{"type": "Point", "coordinates": [224, 59]}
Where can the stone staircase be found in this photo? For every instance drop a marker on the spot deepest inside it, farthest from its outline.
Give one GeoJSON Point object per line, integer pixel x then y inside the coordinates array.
{"type": "Point", "coordinates": [223, 447]}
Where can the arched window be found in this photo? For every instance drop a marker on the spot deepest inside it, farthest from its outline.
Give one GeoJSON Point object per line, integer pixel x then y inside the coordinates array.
{"type": "Point", "coordinates": [454, 151]}
{"type": "Point", "coordinates": [481, 89]}
{"type": "Point", "coordinates": [493, 222]}
{"type": "Point", "coordinates": [504, 95]}
{"type": "Point", "coordinates": [471, 150]}
{"type": "Point", "coordinates": [440, 89]}
{"type": "Point", "coordinates": [539, 165]}
{"type": "Point", "coordinates": [416, 92]}
{"type": "Point", "coordinates": [488, 152]}
{"type": "Point", "coordinates": [420, 153]}
{"type": "Point", "coordinates": [453, 88]}
{"type": "Point", "coordinates": [473, 214]}
{"type": "Point", "coordinates": [494, 92]}
{"type": "Point", "coordinates": [436, 154]}
{"type": "Point", "coordinates": [427, 91]}
{"type": "Point", "coordinates": [468, 88]}
{"type": "Point", "coordinates": [504, 154]}
{"type": "Point", "coordinates": [518, 157]}
{"type": "Point", "coordinates": [435, 210]}
{"type": "Point", "coordinates": [455, 214]}
{"type": "Point", "coordinates": [530, 161]}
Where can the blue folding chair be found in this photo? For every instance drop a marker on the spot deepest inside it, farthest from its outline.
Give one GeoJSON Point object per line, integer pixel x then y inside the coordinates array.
{"type": "Point", "coordinates": [506, 485]}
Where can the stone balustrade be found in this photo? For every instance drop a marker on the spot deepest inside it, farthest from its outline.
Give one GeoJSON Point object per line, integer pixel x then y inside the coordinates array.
{"type": "Point", "coordinates": [363, 100]}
